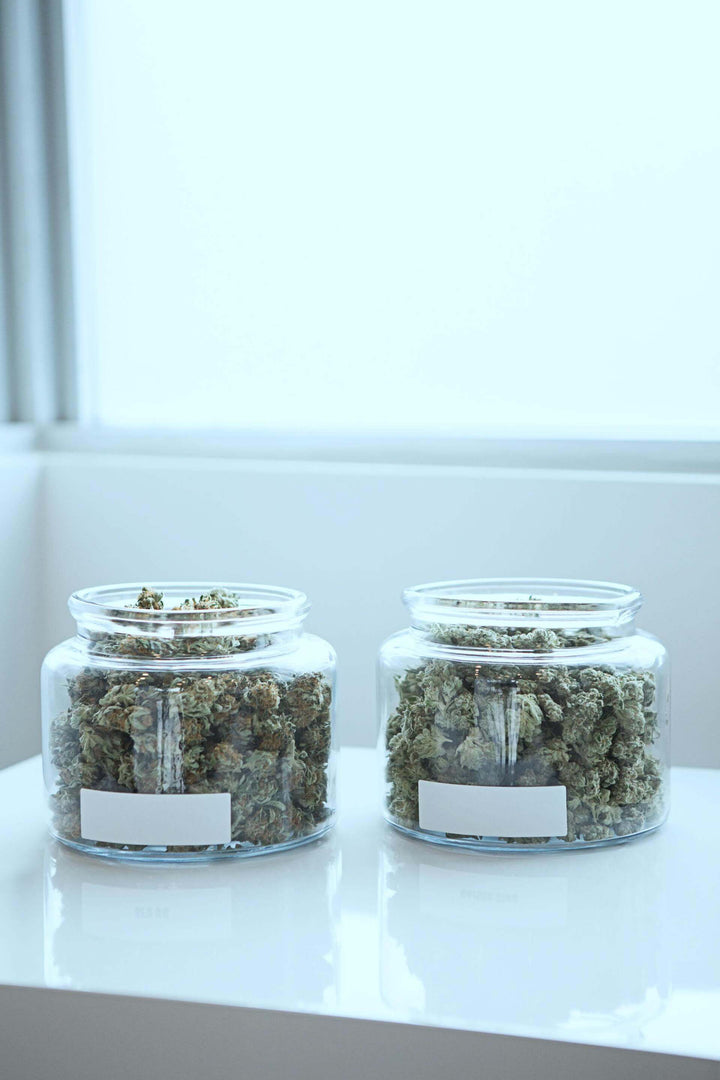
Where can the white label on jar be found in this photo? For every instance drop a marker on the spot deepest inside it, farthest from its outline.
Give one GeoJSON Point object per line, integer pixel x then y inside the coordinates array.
{"type": "Point", "coordinates": [470, 810]}
{"type": "Point", "coordinates": [119, 817]}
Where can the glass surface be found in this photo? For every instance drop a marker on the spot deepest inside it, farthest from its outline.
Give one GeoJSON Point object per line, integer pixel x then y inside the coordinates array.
{"type": "Point", "coordinates": [253, 937]}
{"type": "Point", "coordinates": [532, 943]}
{"type": "Point", "coordinates": [526, 685]}
{"type": "Point", "coordinates": [189, 699]}
{"type": "Point", "coordinates": [590, 948]}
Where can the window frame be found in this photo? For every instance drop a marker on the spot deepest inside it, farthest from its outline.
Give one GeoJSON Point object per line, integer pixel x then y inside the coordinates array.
{"type": "Point", "coordinates": [37, 309]}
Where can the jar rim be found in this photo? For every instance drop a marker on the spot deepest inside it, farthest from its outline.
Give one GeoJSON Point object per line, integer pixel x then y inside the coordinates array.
{"type": "Point", "coordinates": [108, 604]}
{"type": "Point", "coordinates": [507, 601]}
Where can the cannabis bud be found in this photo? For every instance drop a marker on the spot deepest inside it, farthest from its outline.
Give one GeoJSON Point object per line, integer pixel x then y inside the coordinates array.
{"type": "Point", "coordinates": [261, 733]}
{"type": "Point", "coordinates": [487, 721]}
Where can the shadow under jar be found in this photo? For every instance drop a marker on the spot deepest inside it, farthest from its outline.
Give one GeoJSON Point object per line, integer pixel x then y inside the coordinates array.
{"type": "Point", "coordinates": [520, 714]}
{"type": "Point", "coordinates": [189, 721]}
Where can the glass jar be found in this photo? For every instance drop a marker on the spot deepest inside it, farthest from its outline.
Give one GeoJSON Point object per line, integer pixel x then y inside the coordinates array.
{"type": "Point", "coordinates": [524, 715]}
{"type": "Point", "coordinates": [190, 722]}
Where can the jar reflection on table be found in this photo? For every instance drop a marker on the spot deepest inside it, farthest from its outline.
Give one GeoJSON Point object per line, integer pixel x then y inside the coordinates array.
{"type": "Point", "coordinates": [208, 932]}
{"type": "Point", "coordinates": [550, 943]}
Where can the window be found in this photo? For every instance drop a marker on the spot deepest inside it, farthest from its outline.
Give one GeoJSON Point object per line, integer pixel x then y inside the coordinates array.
{"type": "Point", "coordinates": [429, 217]}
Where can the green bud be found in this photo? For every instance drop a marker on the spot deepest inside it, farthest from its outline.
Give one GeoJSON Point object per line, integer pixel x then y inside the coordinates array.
{"type": "Point", "coordinates": [589, 728]}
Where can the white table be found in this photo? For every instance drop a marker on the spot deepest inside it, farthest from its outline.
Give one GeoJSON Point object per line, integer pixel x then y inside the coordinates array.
{"type": "Point", "coordinates": [364, 954]}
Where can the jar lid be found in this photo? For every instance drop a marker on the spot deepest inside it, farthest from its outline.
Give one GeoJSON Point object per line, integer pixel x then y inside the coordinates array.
{"type": "Point", "coordinates": [523, 602]}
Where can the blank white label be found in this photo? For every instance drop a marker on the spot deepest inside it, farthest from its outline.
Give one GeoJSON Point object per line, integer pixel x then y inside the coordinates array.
{"type": "Point", "coordinates": [119, 817]}
{"type": "Point", "coordinates": [492, 811]}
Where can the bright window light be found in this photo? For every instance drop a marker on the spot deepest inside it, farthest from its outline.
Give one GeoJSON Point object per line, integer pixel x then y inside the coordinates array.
{"type": "Point", "coordinates": [398, 216]}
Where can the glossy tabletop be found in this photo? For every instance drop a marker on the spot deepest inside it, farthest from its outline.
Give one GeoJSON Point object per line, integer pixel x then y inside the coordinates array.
{"type": "Point", "coordinates": [619, 947]}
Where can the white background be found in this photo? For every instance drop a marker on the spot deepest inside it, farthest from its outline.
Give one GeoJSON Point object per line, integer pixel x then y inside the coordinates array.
{"type": "Point", "coordinates": [398, 215]}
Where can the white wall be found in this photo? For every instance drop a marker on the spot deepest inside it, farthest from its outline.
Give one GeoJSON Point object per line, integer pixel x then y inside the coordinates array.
{"type": "Point", "coordinates": [20, 601]}
{"type": "Point", "coordinates": [352, 536]}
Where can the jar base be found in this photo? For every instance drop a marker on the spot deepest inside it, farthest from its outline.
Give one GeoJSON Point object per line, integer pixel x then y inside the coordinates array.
{"type": "Point", "coordinates": [157, 856]}
{"type": "Point", "coordinates": [502, 847]}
